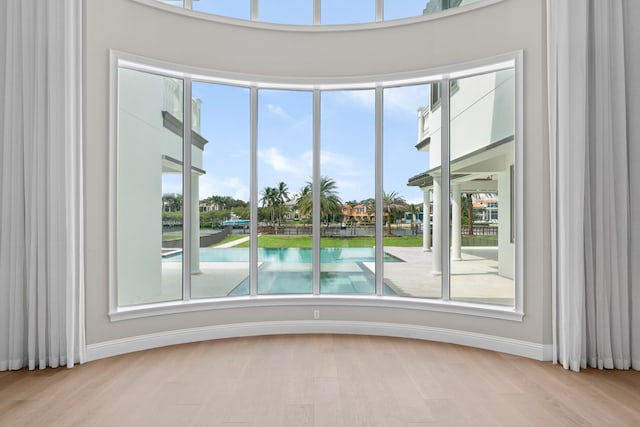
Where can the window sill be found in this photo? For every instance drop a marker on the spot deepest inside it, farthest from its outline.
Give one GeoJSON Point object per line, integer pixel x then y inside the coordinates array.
{"type": "Point", "coordinates": [452, 307]}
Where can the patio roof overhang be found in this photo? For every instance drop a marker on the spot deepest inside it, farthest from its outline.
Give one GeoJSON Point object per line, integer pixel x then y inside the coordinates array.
{"type": "Point", "coordinates": [476, 175]}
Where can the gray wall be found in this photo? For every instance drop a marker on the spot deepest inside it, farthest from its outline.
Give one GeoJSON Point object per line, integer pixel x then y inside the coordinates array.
{"type": "Point", "coordinates": [131, 27]}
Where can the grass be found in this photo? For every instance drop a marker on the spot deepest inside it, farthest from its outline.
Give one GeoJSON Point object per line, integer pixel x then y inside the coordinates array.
{"type": "Point", "coordinates": [171, 237]}
{"type": "Point", "coordinates": [304, 242]}
{"type": "Point", "coordinates": [230, 238]}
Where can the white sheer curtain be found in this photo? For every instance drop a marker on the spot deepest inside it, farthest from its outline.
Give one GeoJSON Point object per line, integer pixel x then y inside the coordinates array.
{"type": "Point", "coordinates": [41, 241]}
{"type": "Point", "coordinates": [593, 69]}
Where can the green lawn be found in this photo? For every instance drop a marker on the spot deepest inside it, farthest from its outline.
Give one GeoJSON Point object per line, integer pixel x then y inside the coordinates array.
{"type": "Point", "coordinates": [270, 241]}
{"type": "Point", "coordinates": [231, 238]}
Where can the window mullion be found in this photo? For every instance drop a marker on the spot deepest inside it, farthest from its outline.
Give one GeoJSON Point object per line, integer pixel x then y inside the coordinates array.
{"type": "Point", "coordinates": [445, 189]}
{"type": "Point", "coordinates": [186, 192]}
{"type": "Point", "coordinates": [379, 10]}
{"type": "Point", "coordinates": [188, 4]}
{"type": "Point", "coordinates": [254, 10]}
{"type": "Point", "coordinates": [317, 7]}
{"type": "Point", "coordinates": [379, 194]}
{"type": "Point", "coordinates": [253, 197]}
{"type": "Point", "coordinates": [316, 194]}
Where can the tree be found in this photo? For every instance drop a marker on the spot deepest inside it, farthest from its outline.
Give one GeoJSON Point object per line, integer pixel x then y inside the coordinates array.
{"type": "Point", "coordinates": [330, 202]}
{"type": "Point", "coordinates": [393, 202]}
{"type": "Point", "coordinates": [370, 207]}
{"type": "Point", "coordinates": [467, 210]}
{"type": "Point", "coordinates": [171, 202]}
{"type": "Point", "coordinates": [282, 197]}
{"type": "Point", "coordinates": [269, 200]}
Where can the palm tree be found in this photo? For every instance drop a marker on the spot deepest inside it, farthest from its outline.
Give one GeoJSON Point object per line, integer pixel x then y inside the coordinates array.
{"type": "Point", "coordinates": [370, 207]}
{"type": "Point", "coordinates": [393, 202]}
{"type": "Point", "coordinates": [467, 208]}
{"type": "Point", "coordinates": [330, 202]}
{"type": "Point", "coordinates": [269, 199]}
{"type": "Point", "coordinates": [282, 196]}
{"type": "Point", "coordinates": [172, 202]}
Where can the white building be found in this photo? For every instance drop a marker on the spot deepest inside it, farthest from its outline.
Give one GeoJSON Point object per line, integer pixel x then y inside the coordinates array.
{"type": "Point", "coordinates": [150, 137]}
{"type": "Point", "coordinates": [481, 123]}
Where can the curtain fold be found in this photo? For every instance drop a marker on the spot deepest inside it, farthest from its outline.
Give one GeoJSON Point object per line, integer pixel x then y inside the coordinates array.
{"type": "Point", "coordinates": [632, 81]}
{"type": "Point", "coordinates": [41, 222]}
{"type": "Point", "coordinates": [593, 155]}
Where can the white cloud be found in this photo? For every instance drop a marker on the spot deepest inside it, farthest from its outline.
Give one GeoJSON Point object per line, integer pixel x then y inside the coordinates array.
{"type": "Point", "coordinates": [278, 162]}
{"type": "Point", "coordinates": [405, 100]}
{"type": "Point", "coordinates": [365, 98]}
{"type": "Point", "coordinates": [231, 186]}
{"type": "Point", "coordinates": [331, 159]}
{"type": "Point", "coordinates": [400, 100]}
{"type": "Point", "coordinates": [279, 111]}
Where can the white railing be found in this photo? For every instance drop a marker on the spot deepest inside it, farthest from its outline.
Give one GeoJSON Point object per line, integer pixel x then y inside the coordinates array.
{"type": "Point", "coordinates": [172, 101]}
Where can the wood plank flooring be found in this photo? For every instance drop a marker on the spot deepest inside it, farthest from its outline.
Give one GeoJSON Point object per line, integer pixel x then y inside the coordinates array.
{"type": "Point", "coordinates": [318, 380]}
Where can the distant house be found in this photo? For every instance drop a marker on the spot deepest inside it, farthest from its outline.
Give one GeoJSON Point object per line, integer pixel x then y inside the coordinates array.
{"type": "Point", "coordinates": [486, 209]}
{"type": "Point", "coordinates": [356, 213]}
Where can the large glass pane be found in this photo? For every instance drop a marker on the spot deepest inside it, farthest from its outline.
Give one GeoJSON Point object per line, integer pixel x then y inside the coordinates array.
{"type": "Point", "coordinates": [285, 164]}
{"type": "Point", "coordinates": [409, 268]}
{"type": "Point", "coordinates": [347, 12]}
{"type": "Point", "coordinates": [220, 182]}
{"type": "Point", "coordinates": [347, 192]}
{"type": "Point", "coordinates": [434, 6]}
{"type": "Point", "coordinates": [396, 9]}
{"type": "Point", "coordinates": [481, 188]}
{"type": "Point", "coordinates": [177, 3]}
{"type": "Point", "coordinates": [149, 199]}
{"type": "Point", "coordinates": [295, 12]}
{"type": "Point", "coordinates": [240, 9]}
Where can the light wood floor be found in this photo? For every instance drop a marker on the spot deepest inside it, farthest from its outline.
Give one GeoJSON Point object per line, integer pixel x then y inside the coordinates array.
{"type": "Point", "coordinates": [320, 380]}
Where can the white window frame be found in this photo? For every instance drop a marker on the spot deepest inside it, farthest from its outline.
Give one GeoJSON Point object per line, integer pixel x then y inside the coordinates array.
{"type": "Point", "coordinates": [442, 74]}
{"type": "Point", "coordinates": [254, 20]}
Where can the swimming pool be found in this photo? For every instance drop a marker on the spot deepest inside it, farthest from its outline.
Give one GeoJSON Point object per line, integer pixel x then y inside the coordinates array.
{"type": "Point", "coordinates": [289, 271]}
{"type": "Point", "coordinates": [285, 255]}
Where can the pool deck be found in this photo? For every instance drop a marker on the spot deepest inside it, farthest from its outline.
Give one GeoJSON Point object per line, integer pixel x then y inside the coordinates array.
{"type": "Point", "coordinates": [474, 278]}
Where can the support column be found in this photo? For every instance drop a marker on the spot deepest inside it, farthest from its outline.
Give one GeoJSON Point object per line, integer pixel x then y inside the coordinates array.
{"type": "Point", "coordinates": [195, 224]}
{"type": "Point", "coordinates": [456, 223]}
{"type": "Point", "coordinates": [426, 226]}
{"type": "Point", "coordinates": [437, 228]}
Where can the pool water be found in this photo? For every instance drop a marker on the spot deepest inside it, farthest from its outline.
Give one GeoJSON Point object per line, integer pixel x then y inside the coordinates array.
{"type": "Point", "coordinates": [361, 282]}
{"type": "Point", "coordinates": [285, 255]}
{"type": "Point", "coordinates": [288, 270]}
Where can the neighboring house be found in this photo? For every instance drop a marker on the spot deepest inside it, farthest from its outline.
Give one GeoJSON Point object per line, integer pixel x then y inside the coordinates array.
{"type": "Point", "coordinates": [482, 123]}
{"type": "Point", "coordinates": [486, 209]}
{"type": "Point", "coordinates": [356, 213]}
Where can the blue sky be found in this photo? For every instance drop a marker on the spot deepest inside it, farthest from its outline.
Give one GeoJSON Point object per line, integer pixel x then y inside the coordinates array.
{"type": "Point", "coordinates": [301, 11]}
{"type": "Point", "coordinates": [285, 132]}
{"type": "Point", "coordinates": [285, 119]}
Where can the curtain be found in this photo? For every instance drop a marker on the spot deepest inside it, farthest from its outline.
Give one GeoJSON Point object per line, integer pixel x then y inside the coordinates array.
{"type": "Point", "coordinates": [593, 149]}
{"type": "Point", "coordinates": [41, 222]}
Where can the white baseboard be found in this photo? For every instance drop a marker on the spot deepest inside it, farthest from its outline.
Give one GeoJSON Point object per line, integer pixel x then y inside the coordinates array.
{"type": "Point", "coordinates": [531, 350]}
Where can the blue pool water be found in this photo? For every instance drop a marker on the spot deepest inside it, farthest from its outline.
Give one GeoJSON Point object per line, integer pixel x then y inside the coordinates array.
{"type": "Point", "coordinates": [285, 255]}
{"type": "Point", "coordinates": [348, 275]}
